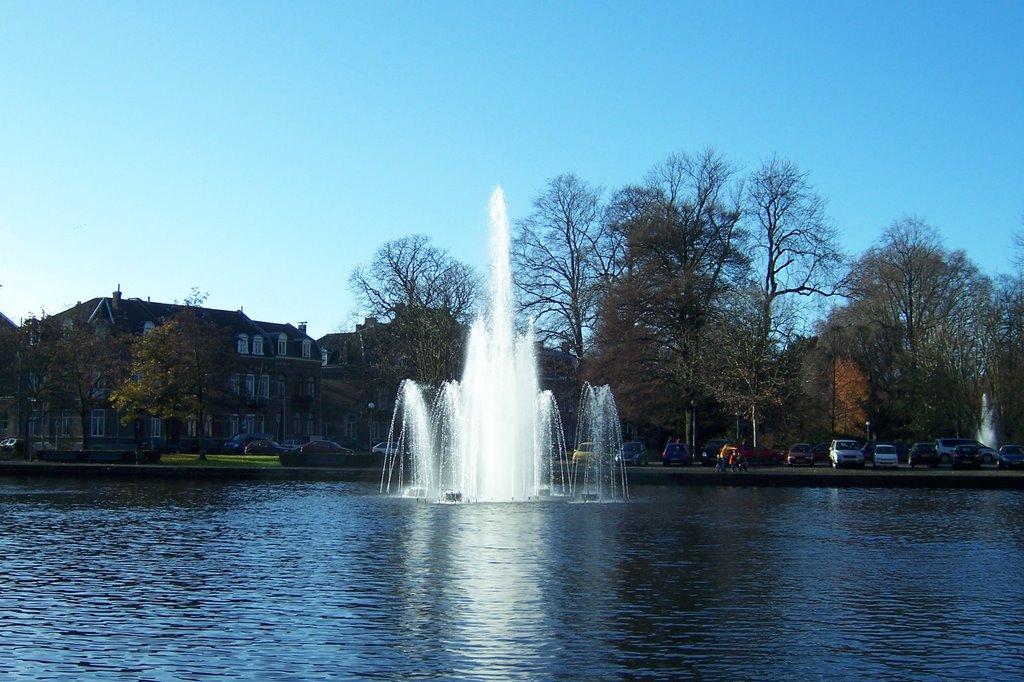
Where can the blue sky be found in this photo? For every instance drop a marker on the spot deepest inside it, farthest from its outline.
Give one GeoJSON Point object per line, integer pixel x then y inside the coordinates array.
{"type": "Point", "coordinates": [259, 151]}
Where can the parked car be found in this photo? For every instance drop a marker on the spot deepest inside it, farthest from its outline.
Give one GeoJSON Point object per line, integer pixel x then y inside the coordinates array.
{"type": "Point", "coordinates": [385, 448]}
{"type": "Point", "coordinates": [676, 451]}
{"type": "Point", "coordinates": [293, 443]}
{"type": "Point", "coordinates": [1011, 456]}
{"type": "Point", "coordinates": [8, 443]}
{"type": "Point", "coordinates": [236, 444]}
{"type": "Point", "coordinates": [800, 454]}
{"type": "Point", "coordinates": [821, 452]}
{"type": "Point", "coordinates": [709, 453]}
{"type": "Point", "coordinates": [946, 446]}
{"type": "Point", "coordinates": [924, 454]}
{"type": "Point", "coordinates": [885, 455]}
{"type": "Point", "coordinates": [264, 446]}
{"type": "Point", "coordinates": [967, 455]}
{"type": "Point", "coordinates": [760, 454]}
{"type": "Point", "coordinates": [846, 453]}
{"type": "Point", "coordinates": [325, 446]}
{"type": "Point", "coordinates": [633, 452]}
{"type": "Point", "coordinates": [582, 452]}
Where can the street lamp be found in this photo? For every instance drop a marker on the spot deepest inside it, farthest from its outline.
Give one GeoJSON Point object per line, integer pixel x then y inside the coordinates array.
{"type": "Point", "coordinates": [693, 426]}
{"type": "Point", "coordinates": [369, 423]}
{"type": "Point", "coordinates": [867, 430]}
{"type": "Point", "coordinates": [737, 427]}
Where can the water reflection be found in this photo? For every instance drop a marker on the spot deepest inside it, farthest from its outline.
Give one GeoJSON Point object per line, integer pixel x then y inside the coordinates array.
{"type": "Point", "coordinates": [301, 580]}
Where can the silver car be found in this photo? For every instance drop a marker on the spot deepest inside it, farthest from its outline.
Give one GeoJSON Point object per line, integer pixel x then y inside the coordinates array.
{"type": "Point", "coordinates": [885, 456]}
{"type": "Point", "coordinates": [846, 453]}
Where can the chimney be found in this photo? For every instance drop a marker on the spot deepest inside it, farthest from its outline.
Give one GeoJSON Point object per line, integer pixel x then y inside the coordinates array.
{"type": "Point", "coordinates": [302, 328]}
{"type": "Point", "coordinates": [116, 298]}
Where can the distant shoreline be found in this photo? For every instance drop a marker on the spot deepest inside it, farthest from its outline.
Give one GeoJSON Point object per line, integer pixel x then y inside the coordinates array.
{"type": "Point", "coordinates": [654, 475]}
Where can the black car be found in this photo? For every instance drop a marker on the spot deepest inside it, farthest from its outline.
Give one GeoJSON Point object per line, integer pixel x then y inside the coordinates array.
{"type": "Point", "coordinates": [633, 452]}
{"type": "Point", "coordinates": [236, 444]}
{"type": "Point", "coordinates": [924, 454]}
{"type": "Point", "coordinates": [709, 453]}
{"type": "Point", "coordinates": [967, 456]}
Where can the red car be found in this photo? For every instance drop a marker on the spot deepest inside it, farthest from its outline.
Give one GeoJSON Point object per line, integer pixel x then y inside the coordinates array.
{"type": "Point", "coordinates": [761, 454]}
{"type": "Point", "coordinates": [324, 446]}
{"type": "Point", "coordinates": [800, 454]}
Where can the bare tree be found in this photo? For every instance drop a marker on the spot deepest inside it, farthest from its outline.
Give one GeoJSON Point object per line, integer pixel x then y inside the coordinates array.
{"type": "Point", "coordinates": [427, 296]}
{"type": "Point", "coordinates": [683, 255]}
{"type": "Point", "coordinates": [562, 255]}
{"type": "Point", "coordinates": [798, 246]}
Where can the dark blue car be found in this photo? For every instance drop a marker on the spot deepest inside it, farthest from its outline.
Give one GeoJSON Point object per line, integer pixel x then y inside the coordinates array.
{"type": "Point", "coordinates": [1011, 457]}
{"type": "Point", "coordinates": [677, 453]}
{"type": "Point", "coordinates": [633, 453]}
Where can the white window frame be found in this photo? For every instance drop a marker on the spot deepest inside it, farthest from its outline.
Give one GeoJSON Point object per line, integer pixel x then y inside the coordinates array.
{"type": "Point", "coordinates": [243, 344]}
{"type": "Point", "coordinates": [307, 348]}
{"type": "Point", "coordinates": [282, 345]}
{"type": "Point", "coordinates": [98, 423]}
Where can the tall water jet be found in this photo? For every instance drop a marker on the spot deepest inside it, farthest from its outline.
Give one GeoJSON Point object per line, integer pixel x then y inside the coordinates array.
{"type": "Point", "coordinates": [494, 436]}
{"type": "Point", "coordinates": [987, 427]}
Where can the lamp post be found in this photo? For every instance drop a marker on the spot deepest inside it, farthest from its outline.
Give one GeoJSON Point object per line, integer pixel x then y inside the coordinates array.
{"type": "Point", "coordinates": [369, 424]}
{"type": "Point", "coordinates": [737, 427]}
{"type": "Point", "coordinates": [693, 426]}
{"type": "Point", "coordinates": [867, 430]}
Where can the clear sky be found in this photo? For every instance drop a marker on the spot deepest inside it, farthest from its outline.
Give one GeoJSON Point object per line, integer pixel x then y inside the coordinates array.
{"type": "Point", "coordinates": [258, 151]}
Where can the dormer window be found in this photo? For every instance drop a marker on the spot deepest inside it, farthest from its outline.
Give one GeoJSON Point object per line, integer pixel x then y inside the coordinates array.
{"type": "Point", "coordinates": [257, 345]}
{"type": "Point", "coordinates": [323, 357]}
{"type": "Point", "coordinates": [243, 344]}
{"type": "Point", "coordinates": [282, 345]}
{"type": "Point", "coordinates": [307, 348]}
{"type": "Point", "coordinates": [148, 328]}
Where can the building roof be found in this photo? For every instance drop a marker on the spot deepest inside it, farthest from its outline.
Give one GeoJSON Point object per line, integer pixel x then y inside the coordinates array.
{"type": "Point", "coordinates": [134, 315]}
{"type": "Point", "coordinates": [7, 322]}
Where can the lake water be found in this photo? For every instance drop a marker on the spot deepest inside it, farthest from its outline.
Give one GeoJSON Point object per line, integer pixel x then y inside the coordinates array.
{"type": "Point", "coordinates": [296, 581]}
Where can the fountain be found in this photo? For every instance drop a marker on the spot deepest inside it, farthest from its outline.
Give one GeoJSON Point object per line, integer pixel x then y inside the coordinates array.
{"type": "Point", "coordinates": [495, 436]}
{"type": "Point", "coordinates": [987, 428]}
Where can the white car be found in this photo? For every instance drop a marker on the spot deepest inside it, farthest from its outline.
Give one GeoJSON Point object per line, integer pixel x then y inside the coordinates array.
{"type": "Point", "coordinates": [387, 449]}
{"type": "Point", "coordinates": [885, 456]}
{"type": "Point", "coordinates": [846, 453]}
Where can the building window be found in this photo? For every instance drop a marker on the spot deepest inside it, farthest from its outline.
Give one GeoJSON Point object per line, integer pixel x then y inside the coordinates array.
{"type": "Point", "coordinates": [282, 345]}
{"type": "Point", "coordinates": [63, 425]}
{"type": "Point", "coordinates": [311, 387]}
{"type": "Point", "coordinates": [298, 424]}
{"type": "Point", "coordinates": [191, 426]}
{"type": "Point", "coordinates": [97, 423]}
{"type": "Point", "coordinates": [323, 357]}
{"type": "Point", "coordinates": [307, 348]}
{"type": "Point", "coordinates": [280, 385]}
{"type": "Point", "coordinates": [235, 384]}
{"type": "Point", "coordinates": [309, 423]}
{"type": "Point", "coordinates": [243, 344]}
{"type": "Point", "coordinates": [209, 426]}
{"type": "Point", "coordinates": [257, 345]}
{"type": "Point", "coordinates": [250, 385]}
{"type": "Point", "coordinates": [3, 422]}
{"type": "Point", "coordinates": [233, 423]}
{"type": "Point", "coordinates": [264, 389]}
{"type": "Point", "coordinates": [147, 328]}
{"type": "Point", "coordinates": [154, 427]}
{"type": "Point", "coordinates": [249, 423]}
{"type": "Point", "coordinates": [261, 423]}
